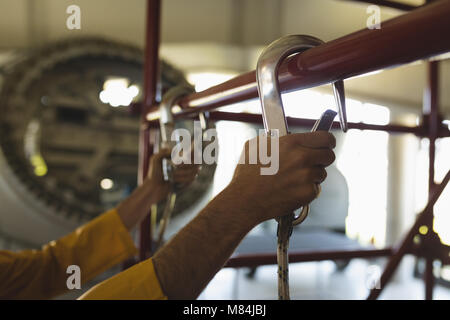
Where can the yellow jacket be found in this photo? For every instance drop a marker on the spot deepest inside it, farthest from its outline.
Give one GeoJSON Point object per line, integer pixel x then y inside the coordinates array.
{"type": "Point", "coordinates": [94, 247]}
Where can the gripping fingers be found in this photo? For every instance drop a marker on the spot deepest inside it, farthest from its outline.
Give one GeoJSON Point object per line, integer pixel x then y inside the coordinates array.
{"type": "Point", "coordinates": [319, 157]}
{"type": "Point", "coordinates": [307, 193]}
{"type": "Point", "coordinates": [315, 140]}
{"type": "Point", "coordinates": [184, 176]}
{"type": "Point", "coordinates": [163, 153]}
{"type": "Point", "coordinates": [187, 167]}
{"type": "Point", "coordinates": [304, 177]}
{"type": "Point", "coordinates": [317, 175]}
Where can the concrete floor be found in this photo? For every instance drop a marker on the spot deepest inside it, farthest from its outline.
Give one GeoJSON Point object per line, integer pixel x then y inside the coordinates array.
{"type": "Point", "coordinates": [320, 281]}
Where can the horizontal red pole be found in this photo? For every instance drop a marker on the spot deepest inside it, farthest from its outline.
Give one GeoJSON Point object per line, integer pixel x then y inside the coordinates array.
{"type": "Point", "coordinates": [308, 123]}
{"type": "Point", "coordinates": [151, 96]}
{"type": "Point", "coordinates": [254, 260]}
{"type": "Point", "coordinates": [416, 35]}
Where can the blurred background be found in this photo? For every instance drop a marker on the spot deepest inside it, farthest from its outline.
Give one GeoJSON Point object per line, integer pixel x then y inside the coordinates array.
{"type": "Point", "coordinates": [69, 142]}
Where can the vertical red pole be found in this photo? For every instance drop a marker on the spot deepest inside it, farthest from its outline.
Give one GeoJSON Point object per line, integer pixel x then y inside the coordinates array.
{"type": "Point", "coordinates": [430, 114]}
{"type": "Point", "coordinates": [151, 96]}
{"type": "Point", "coordinates": [431, 109]}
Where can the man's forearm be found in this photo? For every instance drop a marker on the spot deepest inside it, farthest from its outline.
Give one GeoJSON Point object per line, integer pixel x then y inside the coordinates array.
{"type": "Point", "coordinates": [132, 210]}
{"type": "Point", "coordinates": [190, 260]}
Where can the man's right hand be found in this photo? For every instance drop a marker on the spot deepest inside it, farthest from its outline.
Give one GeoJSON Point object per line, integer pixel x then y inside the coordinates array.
{"type": "Point", "coordinates": [302, 161]}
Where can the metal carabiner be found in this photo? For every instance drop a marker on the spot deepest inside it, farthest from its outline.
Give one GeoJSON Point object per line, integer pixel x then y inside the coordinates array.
{"type": "Point", "coordinates": [269, 89]}
{"type": "Point", "coordinates": [167, 123]}
{"type": "Point", "coordinates": [167, 126]}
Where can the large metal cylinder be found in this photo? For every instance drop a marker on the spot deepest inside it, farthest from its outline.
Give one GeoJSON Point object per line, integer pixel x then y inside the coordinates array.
{"type": "Point", "coordinates": [68, 141]}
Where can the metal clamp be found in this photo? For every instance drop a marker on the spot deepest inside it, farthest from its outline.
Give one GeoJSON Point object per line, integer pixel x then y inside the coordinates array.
{"type": "Point", "coordinates": [167, 123]}
{"type": "Point", "coordinates": [167, 126]}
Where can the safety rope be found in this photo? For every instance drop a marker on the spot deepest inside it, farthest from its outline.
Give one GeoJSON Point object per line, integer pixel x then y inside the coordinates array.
{"type": "Point", "coordinates": [167, 213]}
{"type": "Point", "coordinates": [286, 223]}
{"type": "Point", "coordinates": [283, 233]}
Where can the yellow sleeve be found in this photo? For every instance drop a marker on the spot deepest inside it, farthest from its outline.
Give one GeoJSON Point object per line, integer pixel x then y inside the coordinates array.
{"type": "Point", "coordinates": [41, 274]}
{"type": "Point", "coordinates": [138, 283]}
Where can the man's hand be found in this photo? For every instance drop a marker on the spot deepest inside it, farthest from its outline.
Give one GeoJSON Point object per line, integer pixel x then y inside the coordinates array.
{"type": "Point", "coordinates": [154, 189]}
{"type": "Point", "coordinates": [302, 161]}
{"type": "Point", "coordinates": [183, 175]}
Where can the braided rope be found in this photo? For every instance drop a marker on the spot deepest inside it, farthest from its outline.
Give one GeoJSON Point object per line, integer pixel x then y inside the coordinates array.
{"type": "Point", "coordinates": [284, 233]}
{"type": "Point", "coordinates": [167, 213]}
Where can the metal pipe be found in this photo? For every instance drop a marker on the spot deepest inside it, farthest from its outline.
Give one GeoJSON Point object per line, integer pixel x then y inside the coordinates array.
{"type": "Point", "coordinates": [254, 260]}
{"type": "Point", "coordinates": [431, 109]}
{"type": "Point", "coordinates": [420, 131]}
{"type": "Point", "coordinates": [404, 39]}
{"type": "Point", "coordinates": [389, 4]}
{"type": "Point", "coordinates": [429, 278]}
{"type": "Point", "coordinates": [308, 123]}
{"type": "Point", "coordinates": [151, 96]}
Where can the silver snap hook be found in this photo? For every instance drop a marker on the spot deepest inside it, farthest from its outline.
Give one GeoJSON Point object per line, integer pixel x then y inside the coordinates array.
{"type": "Point", "coordinates": [167, 123]}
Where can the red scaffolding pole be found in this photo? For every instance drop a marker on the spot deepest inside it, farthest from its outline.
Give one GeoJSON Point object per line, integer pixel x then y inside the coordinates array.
{"type": "Point", "coordinates": [151, 97]}
{"type": "Point", "coordinates": [358, 53]}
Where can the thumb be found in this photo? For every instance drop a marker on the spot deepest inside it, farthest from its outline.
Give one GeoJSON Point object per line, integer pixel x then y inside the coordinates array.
{"type": "Point", "coordinates": [155, 167]}
{"type": "Point", "coordinates": [163, 153]}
